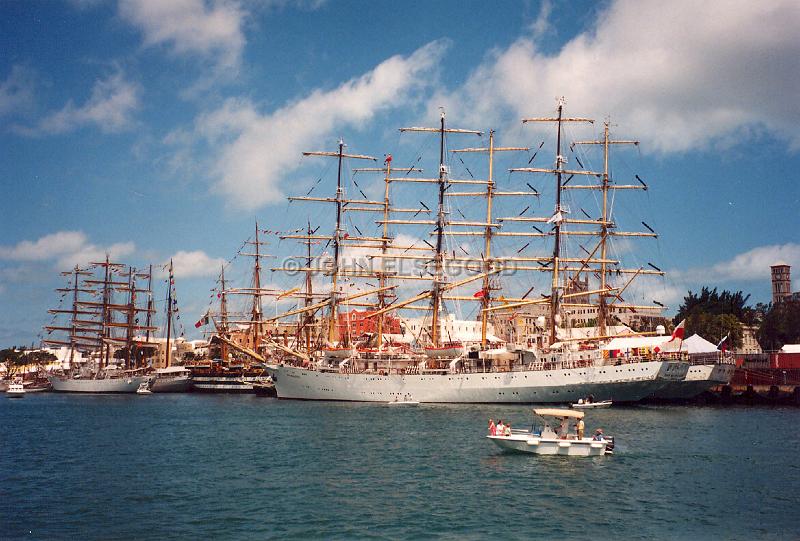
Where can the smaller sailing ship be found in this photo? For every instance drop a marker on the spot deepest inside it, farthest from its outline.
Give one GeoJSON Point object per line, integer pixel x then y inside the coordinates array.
{"type": "Point", "coordinates": [169, 378]}
{"type": "Point", "coordinates": [102, 323]}
{"type": "Point", "coordinates": [225, 373]}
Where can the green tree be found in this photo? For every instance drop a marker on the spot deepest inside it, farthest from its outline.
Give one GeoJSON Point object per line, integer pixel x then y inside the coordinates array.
{"type": "Point", "coordinates": [716, 303]}
{"type": "Point", "coordinates": [13, 360]}
{"type": "Point", "coordinates": [781, 325]}
{"type": "Point", "coordinates": [39, 357]}
{"type": "Point", "coordinates": [715, 327]}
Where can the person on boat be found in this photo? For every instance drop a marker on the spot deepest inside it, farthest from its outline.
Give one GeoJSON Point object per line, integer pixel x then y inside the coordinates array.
{"type": "Point", "coordinates": [579, 427]}
{"type": "Point", "coordinates": [492, 428]}
{"type": "Point", "coordinates": [563, 429]}
{"type": "Point", "coordinates": [500, 427]}
{"type": "Point", "coordinates": [590, 399]}
{"type": "Point", "coordinates": [598, 435]}
{"type": "Point", "coordinates": [507, 430]}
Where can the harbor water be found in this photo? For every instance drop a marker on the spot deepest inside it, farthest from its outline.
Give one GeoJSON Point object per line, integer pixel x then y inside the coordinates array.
{"type": "Point", "coordinates": [246, 467]}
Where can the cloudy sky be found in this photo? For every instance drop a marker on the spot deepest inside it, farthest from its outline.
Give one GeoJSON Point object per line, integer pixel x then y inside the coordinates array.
{"type": "Point", "coordinates": [151, 130]}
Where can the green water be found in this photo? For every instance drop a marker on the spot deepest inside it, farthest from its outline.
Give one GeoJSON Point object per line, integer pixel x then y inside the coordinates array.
{"type": "Point", "coordinates": [245, 467]}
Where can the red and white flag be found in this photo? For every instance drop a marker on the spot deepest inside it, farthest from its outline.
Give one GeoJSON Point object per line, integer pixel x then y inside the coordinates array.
{"type": "Point", "coordinates": [722, 346]}
{"type": "Point", "coordinates": [203, 321]}
{"type": "Point", "coordinates": [679, 330]}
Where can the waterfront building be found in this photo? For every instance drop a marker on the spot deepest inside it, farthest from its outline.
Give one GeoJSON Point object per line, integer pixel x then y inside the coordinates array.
{"type": "Point", "coordinates": [358, 323]}
{"type": "Point", "coordinates": [750, 345]}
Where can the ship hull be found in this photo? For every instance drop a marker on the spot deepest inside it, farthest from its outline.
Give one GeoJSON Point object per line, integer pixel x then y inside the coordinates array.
{"type": "Point", "coordinates": [180, 384]}
{"type": "Point", "coordinates": [111, 385]}
{"type": "Point", "coordinates": [225, 384]}
{"type": "Point", "coordinates": [699, 378]}
{"type": "Point", "coordinates": [625, 383]}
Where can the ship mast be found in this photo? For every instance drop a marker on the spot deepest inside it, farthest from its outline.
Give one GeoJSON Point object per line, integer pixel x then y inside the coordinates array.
{"type": "Point", "coordinates": [222, 328]}
{"type": "Point", "coordinates": [76, 330]}
{"type": "Point", "coordinates": [386, 242]}
{"type": "Point", "coordinates": [441, 222]}
{"type": "Point", "coordinates": [488, 262]}
{"type": "Point", "coordinates": [558, 219]}
{"type": "Point", "coordinates": [558, 214]}
{"type": "Point", "coordinates": [149, 317]}
{"type": "Point", "coordinates": [131, 314]}
{"type": "Point", "coordinates": [256, 311]}
{"type": "Point", "coordinates": [602, 308]}
{"type": "Point", "coordinates": [338, 235]}
{"type": "Point", "coordinates": [169, 316]}
{"type": "Point", "coordinates": [309, 296]}
{"type": "Point", "coordinates": [106, 320]}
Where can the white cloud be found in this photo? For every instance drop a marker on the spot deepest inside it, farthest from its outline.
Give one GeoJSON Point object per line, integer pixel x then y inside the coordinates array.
{"type": "Point", "coordinates": [110, 106]}
{"type": "Point", "coordinates": [212, 29]}
{"type": "Point", "coordinates": [16, 92]}
{"type": "Point", "coordinates": [750, 266]}
{"type": "Point", "coordinates": [256, 151]}
{"type": "Point", "coordinates": [194, 264]}
{"type": "Point", "coordinates": [754, 264]}
{"type": "Point", "coordinates": [676, 74]}
{"type": "Point", "coordinates": [66, 248]}
{"type": "Point", "coordinates": [45, 247]}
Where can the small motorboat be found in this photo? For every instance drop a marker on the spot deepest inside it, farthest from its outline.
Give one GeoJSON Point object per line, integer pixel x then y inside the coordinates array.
{"type": "Point", "coordinates": [15, 390]}
{"type": "Point", "coordinates": [551, 435]}
{"type": "Point", "coordinates": [144, 388]}
{"type": "Point", "coordinates": [585, 404]}
{"type": "Point", "coordinates": [410, 403]}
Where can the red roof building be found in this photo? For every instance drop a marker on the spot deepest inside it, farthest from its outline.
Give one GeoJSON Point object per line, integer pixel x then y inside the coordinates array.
{"type": "Point", "coordinates": [357, 323]}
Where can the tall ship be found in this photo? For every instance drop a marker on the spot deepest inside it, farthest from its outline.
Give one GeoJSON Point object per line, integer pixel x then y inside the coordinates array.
{"type": "Point", "coordinates": [238, 338]}
{"type": "Point", "coordinates": [169, 378]}
{"type": "Point", "coordinates": [100, 316]}
{"type": "Point", "coordinates": [441, 362]}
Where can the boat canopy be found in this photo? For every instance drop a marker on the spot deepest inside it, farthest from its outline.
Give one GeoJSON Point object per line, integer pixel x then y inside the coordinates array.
{"type": "Point", "coordinates": [554, 412]}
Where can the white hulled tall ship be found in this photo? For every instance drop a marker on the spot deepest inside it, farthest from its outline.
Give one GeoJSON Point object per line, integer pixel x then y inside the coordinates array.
{"type": "Point", "coordinates": [439, 367]}
{"type": "Point", "coordinates": [102, 323]}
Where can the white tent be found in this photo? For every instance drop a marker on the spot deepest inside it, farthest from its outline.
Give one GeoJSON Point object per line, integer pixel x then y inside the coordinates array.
{"type": "Point", "coordinates": [790, 348]}
{"type": "Point", "coordinates": [632, 342]}
{"type": "Point", "coordinates": [696, 345]}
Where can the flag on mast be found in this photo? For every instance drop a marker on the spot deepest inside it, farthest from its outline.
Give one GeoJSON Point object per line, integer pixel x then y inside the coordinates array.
{"type": "Point", "coordinates": [721, 346]}
{"type": "Point", "coordinates": [203, 321]}
{"type": "Point", "coordinates": [679, 330]}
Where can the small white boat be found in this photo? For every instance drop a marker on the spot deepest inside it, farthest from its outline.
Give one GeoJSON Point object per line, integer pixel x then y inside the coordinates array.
{"type": "Point", "coordinates": [410, 403]}
{"type": "Point", "coordinates": [15, 390]}
{"type": "Point", "coordinates": [553, 437]}
{"type": "Point", "coordinates": [144, 388]}
{"type": "Point", "coordinates": [584, 405]}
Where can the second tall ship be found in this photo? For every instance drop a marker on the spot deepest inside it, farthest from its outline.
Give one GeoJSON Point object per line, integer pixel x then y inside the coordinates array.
{"type": "Point", "coordinates": [436, 359]}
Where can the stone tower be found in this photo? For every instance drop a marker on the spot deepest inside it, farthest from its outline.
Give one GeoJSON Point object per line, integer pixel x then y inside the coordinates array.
{"type": "Point", "coordinates": [781, 282]}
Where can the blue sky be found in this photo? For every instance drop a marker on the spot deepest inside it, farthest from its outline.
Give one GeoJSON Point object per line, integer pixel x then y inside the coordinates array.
{"type": "Point", "coordinates": [152, 129]}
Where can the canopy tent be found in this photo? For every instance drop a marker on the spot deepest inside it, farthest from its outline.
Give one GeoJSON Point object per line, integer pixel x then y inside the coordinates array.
{"type": "Point", "coordinates": [663, 343]}
{"type": "Point", "coordinates": [697, 345]}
